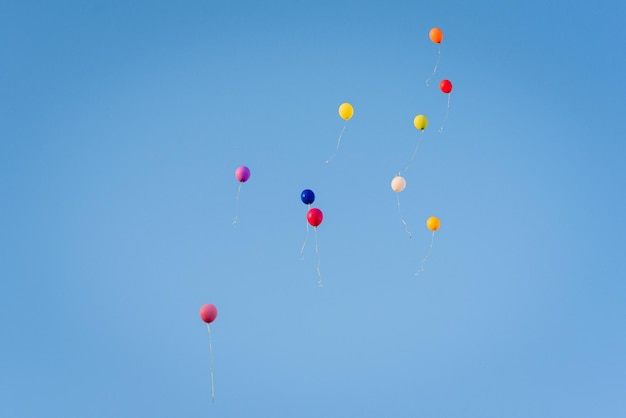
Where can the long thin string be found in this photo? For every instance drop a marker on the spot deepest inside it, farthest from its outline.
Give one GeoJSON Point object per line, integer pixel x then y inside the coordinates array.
{"type": "Point", "coordinates": [306, 237]}
{"type": "Point", "coordinates": [211, 367]}
{"type": "Point", "coordinates": [419, 140]}
{"type": "Point", "coordinates": [338, 142]}
{"type": "Point", "coordinates": [447, 112]}
{"type": "Point", "coordinates": [406, 226]}
{"type": "Point", "coordinates": [436, 65]}
{"type": "Point", "coordinates": [432, 240]}
{"type": "Point", "coordinates": [237, 205]}
{"type": "Point", "coordinates": [305, 240]}
{"type": "Point", "coordinates": [317, 251]}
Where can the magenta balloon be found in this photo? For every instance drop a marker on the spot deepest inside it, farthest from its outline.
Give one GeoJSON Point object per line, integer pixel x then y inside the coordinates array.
{"type": "Point", "coordinates": [208, 313]}
{"type": "Point", "coordinates": [242, 173]}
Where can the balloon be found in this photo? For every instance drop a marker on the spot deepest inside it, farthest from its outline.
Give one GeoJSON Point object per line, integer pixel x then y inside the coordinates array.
{"type": "Point", "coordinates": [420, 122]}
{"type": "Point", "coordinates": [242, 173]}
{"type": "Point", "coordinates": [314, 217]}
{"type": "Point", "coordinates": [445, 86]}
{"type": "Point", "coordinates": [436, 35]}
{"type": "Point", "coordinates": [346, 111]}
{"type": "Point", "coordinates": [208, 313]}
{"type": "Point", "coordinates": [433, 223]}
{"type": "Point", "coordinates": [307, 196]}
{"type": "Point", "coordinates": [398, 184]}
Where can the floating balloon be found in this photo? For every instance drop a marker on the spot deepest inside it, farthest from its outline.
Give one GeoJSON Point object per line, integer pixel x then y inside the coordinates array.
{"type": "Point", "coordinates": [307, 196]}
{"type": "Point", "coordinates": [314, 217]}
{"type": "Point", "coordinates": [436, 35]}
{"type": "Point", "coordinates": [445, 86]}
{"type": "Point", "coordinates": [420, 122]}
{"type": "Point", "coordinates": [242, 174]}
{"type": "Point", "coordinates": [208, 313]}
{"type": "Point", "coordinates": [346, 111]}
{"type": "Point", "coordinates": [398, 184]}
{"type": "Point", "coordinates": [433, 223]}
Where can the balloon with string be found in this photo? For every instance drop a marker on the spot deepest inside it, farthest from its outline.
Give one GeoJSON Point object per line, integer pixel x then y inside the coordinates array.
{"type": "Point", "coordinates": [398, 184]}
{"type": "Point", "coordinates": [446, 88]}
{"type": "Point", "coordinates": [346, 111]}
{"type": "Point", "coordinates": [420, 122]}
{"type": "Point", "coordinates": [208, 313]}
{"type": "Point", "coordinates": [433, 225]}
{"type": "Point", "coordinates": [314, 217]}
{"type": "Point", "coordinates": [242, 174]}
{"type": "Point", "coordinates": [308, 197]}
{"type": "Point", "coordinates": [436, 36]}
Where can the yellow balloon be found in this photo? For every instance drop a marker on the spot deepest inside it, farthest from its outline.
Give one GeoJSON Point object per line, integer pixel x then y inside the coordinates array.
{"type": "Point", "coordinates": [420, 122]}
{"type": "Point", "coordinates": [433, 223]}
{"type": "Point", "coordinates": [346, 111]}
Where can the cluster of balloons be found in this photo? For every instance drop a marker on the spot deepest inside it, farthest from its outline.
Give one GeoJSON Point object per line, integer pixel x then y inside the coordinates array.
{"type": "Point", "coordinates": [399, 183]}
{"type": "Point", "coordinates": [314, 215]}
{"type": "Point", "coordinates": [436, 36]}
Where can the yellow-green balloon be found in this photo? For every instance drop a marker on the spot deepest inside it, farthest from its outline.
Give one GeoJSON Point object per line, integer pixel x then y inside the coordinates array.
{"type": "Point", "coordinates": [346, 111]}
{"type": "Point", "coordinates": [420, 122]}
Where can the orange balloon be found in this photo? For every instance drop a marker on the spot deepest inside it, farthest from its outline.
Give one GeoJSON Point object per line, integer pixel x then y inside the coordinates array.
{"type": "Point", "coordinates": [433, 223]}
{"type": "Point", "coordinates": [436, 35]}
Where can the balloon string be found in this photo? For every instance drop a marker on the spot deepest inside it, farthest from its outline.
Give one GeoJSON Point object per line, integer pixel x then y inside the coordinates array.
{"type": "Point", "coordinates": [338, 142]}
{"type": "Point", "coordinates": [306, 237]}
{"type": "Point", "coordinates": [447, 112]}
{"type": "Point", "coordinates": [436, 65]}
{"type": "Point", "coordinates": [211, 367]}
{"type": "Point", "coordinates": [317, 251]}
{"type": "Point", "coordinates": [305, 240]}
{"type": "Point", "coordinates": [432, 240]}
{"type": "Point", "coordinates": [414, 152]}
{"type": "Point", "coordinates": [406, 226]}
{"type": "Point", "coordinates": [237, 205]}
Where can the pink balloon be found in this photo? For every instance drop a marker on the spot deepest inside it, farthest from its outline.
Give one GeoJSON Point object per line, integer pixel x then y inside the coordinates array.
{"type": "Point", "coordinates": [208, 313]}
{"type": "Point", "coordinates": [242, 173]}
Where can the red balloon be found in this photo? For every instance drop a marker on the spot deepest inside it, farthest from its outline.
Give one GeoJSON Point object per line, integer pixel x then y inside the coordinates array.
{"type": "Point", "coordinates": [314, 216]}
{"type": "Point", "coordinates": [445, 86]}
{"type": "Point", "coordinates": [208, 313]}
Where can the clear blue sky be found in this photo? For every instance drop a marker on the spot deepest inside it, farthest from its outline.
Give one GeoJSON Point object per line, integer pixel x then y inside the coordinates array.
{"type": "Point", "coordinates": [121, 125]}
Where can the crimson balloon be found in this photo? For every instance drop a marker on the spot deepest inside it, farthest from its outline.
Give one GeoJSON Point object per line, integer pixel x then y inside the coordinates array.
{"type": "Point", "coordinates": [314, 217]}
{"type": "Point", "coordinates": [445, 86]}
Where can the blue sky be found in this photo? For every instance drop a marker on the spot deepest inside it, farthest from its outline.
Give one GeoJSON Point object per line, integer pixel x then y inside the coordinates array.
{"type": "Point", "coordinates": [121, 126]}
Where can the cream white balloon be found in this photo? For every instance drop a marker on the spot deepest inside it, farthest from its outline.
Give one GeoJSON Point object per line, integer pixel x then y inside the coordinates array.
{"type": "Point", "coordinates": [398, 184]}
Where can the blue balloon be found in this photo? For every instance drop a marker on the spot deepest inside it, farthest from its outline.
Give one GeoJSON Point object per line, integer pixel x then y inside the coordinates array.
{"type": "Point", "coordinates": [307, 196]}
